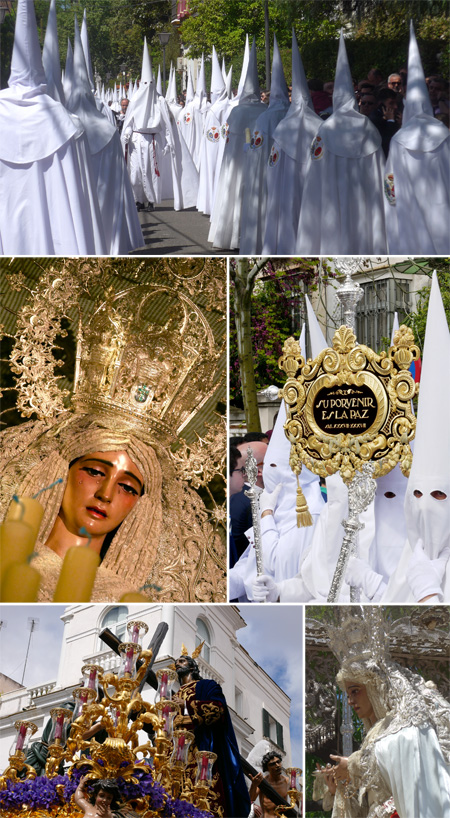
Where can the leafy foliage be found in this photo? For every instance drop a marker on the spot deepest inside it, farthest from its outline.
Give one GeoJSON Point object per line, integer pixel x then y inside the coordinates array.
{"type": "Point", "coordinates": [276, 299]}
{"type": "Point", "coordinates": [417, 320]}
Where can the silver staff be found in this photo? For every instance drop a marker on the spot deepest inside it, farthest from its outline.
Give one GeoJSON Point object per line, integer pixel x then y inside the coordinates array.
{"type": "Point", "coordinates": [251, 470]}
{"type": "Point", "coordinates": [361, 492]}
{"type": "Point", "coordinates": [349, 293]}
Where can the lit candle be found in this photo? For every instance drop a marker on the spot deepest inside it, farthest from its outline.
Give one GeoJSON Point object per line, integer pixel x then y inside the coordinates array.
{"type": "Point", "coordinates": [129, 661]}
{"type": "Point", "coordinates": [20, 583]}
{"type": "Point", "coordinates": [26, 510]}
{"type": "Point", "coordinates": [77, 576]}
{"type": "Point", "coordinates": [204, 769]}
{"type": "Point", "coordinates": [21, 737]}
{"type": "Point", "coordinates": [133, 597]}
{"type": "Point", "coordinates": [179, 756]}
{"type": "Point", "coordinates": [163, 686]}
{"type": "Point", "coordinates": [166, 715]}
{"type": "Point", "coordinates": [59, 725]}
{"type": "Point", "coordinates": [293, 779]}
{"type": "Point", "coordinates": [16, 544]}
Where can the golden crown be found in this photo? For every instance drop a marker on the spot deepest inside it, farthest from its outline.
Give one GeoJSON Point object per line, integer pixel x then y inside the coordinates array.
{"type": "Point", "coordinates": [147, 356]}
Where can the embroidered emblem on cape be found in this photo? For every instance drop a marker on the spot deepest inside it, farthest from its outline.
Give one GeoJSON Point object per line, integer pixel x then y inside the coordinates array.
{"type": "Point", "coordinates": [224, 131]}
{"type": "Point", "coordinates": [257, 140]}
{"type": "Point", "coordinates": [213, 134]}
{"type": "Point", "coordinates": [389, 188]}
{"type": "Point", "coordinates": [187, 117]}
{"type": "Point", "coordinates": [317, 149]}
{"type": "Point", "coordinates": [274, 156]}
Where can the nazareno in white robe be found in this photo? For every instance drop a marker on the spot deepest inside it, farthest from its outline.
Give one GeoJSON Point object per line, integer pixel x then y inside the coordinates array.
{"type": "Point", "coordinates": [117, 207]}
{"type": "Point", "coordinates": [287, 164]}
{"type": "Point", "coordinates": [417, 179]}
{"type": "Point", "coordinates": [226, 214]}
{"type": "Point", "coordinates": [159, 162]}
{"type": "Point", "coordinates": [342, 208]}
{"type": "Point", "coordinates": [254, 200]}
{"type": "Point", "coordinates": [43, 209]}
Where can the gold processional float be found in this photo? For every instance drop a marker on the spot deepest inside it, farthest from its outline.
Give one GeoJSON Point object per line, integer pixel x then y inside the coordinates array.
{"type": "Point", "coordinates": [348, 410]}
{"type": "Point", "coordinates": [166, 776]}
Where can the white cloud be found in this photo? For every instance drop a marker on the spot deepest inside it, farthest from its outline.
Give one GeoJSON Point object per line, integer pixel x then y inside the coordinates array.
{"type": "Point", "coordinates": [274, 638]}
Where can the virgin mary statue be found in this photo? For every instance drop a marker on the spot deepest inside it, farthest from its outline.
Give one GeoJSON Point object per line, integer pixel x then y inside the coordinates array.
{"type": "Point", "coordinates": [128, 448]}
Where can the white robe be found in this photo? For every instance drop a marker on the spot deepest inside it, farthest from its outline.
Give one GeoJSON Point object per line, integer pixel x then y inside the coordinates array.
{"type": "Point", "coordinates": [209, 152]}
{"type": "Point", "coordinates": [286, 171]}
{"type": "Point", "coordinates": [254, 201]}
{"type": "Point", "coordinates": [342, 209]}
{"type": "Point", "coordinates": [47, 205]}
{"type": "Point", "coordinates": [226, 214]}
{"type": "Point", "coordinates": [417, 189]}
{"type": "Point", "coordinates": [413, 770]}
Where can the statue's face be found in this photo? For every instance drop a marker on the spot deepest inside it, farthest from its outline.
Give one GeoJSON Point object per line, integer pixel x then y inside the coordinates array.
{"type": "Point", "coordinates": [359, 700]}
{"type": "Point", "coordinates": [102, 488]}
{"type": "Point", "coordinates": [183, 666]}
{"type": "Point", "coordinates": [103, 800]}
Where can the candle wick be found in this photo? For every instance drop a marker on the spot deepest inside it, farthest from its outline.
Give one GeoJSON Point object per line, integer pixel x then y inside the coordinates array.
{"type": "Point", "coordinates": [15, 497]}
{"type": "Point", "coordinates": [148, 585]}
{"type": "Point", "coordinates": [83, 533]}
{"type": "Point", "coordinates": [55, 483]}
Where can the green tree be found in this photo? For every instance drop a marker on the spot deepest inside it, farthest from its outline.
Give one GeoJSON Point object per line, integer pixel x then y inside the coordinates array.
{"type": "Point", "coordinates": [418, 318]}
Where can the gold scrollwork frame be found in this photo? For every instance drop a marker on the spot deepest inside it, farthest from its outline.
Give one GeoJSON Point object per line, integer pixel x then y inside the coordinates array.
{"type": "Point", "coordinates": [387, 440]}
{"type": "Point", "coordinates": [367, 379]}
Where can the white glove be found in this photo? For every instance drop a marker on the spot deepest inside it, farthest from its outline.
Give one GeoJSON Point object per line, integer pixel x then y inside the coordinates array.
{"type": "Point", "coordinates": [268, 499]}
{"type": "Point", "coordinates": [424, 575]}
{"type": "Point", "coordinates": [360, 575]}
{"type": "Point", "coordinates": [265, 589]}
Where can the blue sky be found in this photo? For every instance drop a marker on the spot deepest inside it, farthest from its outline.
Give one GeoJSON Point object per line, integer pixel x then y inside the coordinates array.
{"type": "Point", "coordinates": [273, 637]}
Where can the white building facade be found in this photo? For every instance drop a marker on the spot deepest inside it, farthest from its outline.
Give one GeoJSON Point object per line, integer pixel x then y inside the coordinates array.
{"type": "Point", "coordinates": [258, 707]}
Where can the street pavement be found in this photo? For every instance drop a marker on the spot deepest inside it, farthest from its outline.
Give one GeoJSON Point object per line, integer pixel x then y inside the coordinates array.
{"type": "Point", "coordinates": [181, 233]}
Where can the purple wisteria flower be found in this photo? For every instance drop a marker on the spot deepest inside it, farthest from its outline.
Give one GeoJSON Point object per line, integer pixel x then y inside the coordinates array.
{"type": "Point", "coordinates": [41, 794]}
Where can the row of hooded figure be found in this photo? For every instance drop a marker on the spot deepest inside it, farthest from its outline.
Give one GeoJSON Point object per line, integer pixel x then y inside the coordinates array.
{"type": "Point", "coordinates": [65, 186]}
{"type": "Point", "coordinates": [403, 549]}
{"type": "Point", "coordinates": [280, 180]}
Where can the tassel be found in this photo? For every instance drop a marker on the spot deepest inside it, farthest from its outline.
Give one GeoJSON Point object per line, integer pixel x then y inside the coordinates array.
{"type": "Point", "coordinates": [304, 518]}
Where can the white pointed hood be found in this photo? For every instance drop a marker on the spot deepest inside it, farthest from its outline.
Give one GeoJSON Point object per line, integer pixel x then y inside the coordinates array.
{"type": "Point", "coordinates": [86, 50]}
{"type": "Point", "coordinates": [228, 83]}
{"type": "Point", "coordinates": [35, 125]}
{"type": "Point", "coordinates": [146, 70]}
{"type": "Point", "coordinates": [68, 71]}
{"type": "Point", "coordinates": [81, 102]}
{"type": "Point", "coordinates": [26, 63]}
{"type": "Point", "coordinates": [277, 470]}
{"type": "Point", "coordinates": [278, 89]}
{"type": "Point", "coordinates": [50, 57]}
{"type": "Point", "coordinates": [244, 68]}
{"type": "Point", "coordinates": [420, 130]}
{"type": "Point", "coordinates": [144, 109]}
{"type": "Point", "coordinates": [159, 82]}
{"type": "Point", "coordinates": [190, 87]}
{"type": "Point", "coordinates": [217, 80]}
{"type": "Point", "coordinates": [428, 518]}
{"type": "Point", "coordinates": [316, 336]}
{"type": "Point", "coordinates": [224, 71]}
{"type": "Point", "coordinates": [251, 91]}
{"type": "Point", "coordinates": [347, 133]}
{"type": "Point", "coordinates": [200, 91]}
{"type": "Point", "coordinates": [169, 83]}
{"type": "Point", "coordinates": [296, 131]}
